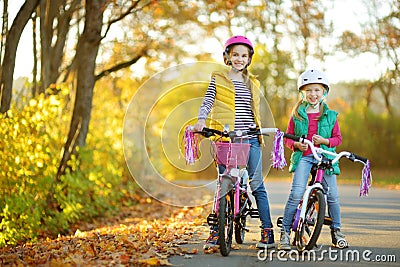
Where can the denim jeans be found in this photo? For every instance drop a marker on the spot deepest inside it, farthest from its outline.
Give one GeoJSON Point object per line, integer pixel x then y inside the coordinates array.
{"type": "Point", "coordinates": [299, 183]}
{"type": "Point", "coordinates": [259, 192]}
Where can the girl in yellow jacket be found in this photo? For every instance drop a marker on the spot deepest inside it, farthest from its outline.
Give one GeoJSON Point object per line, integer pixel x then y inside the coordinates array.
{"type": "Point", "coordinates": [233, 98]}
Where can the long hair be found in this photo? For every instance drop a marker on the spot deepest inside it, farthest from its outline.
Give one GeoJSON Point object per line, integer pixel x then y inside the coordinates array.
{"type": "Point", "coordinates": [246, 78]}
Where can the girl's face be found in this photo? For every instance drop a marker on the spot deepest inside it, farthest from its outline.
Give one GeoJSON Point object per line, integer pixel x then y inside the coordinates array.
{"type": "Point", "coordinates": [313, 93]}
{"type": "Point", "coordinates": [239, 56]}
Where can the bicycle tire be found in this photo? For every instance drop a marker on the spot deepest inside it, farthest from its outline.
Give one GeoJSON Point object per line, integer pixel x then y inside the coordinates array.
{"type": "Point", "coordinates": [225, 217]}
{"type": "Point", "coordinates": [308, 231]}
{"type": "Point", "coordinates": [240, 225]}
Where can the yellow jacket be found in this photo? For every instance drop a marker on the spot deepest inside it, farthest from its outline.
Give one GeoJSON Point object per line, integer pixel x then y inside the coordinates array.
{"type": "Point", "coordinates": [223, 111]}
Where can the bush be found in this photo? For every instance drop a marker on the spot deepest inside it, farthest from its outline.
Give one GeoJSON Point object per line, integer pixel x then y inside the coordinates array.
{"type": "Point", "coordinates": [375, 136]}
{"type": "Point", "coordinates": [31, 204]}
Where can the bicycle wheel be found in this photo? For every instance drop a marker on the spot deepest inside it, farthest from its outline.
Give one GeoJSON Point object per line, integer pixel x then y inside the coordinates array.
{"type": "Point", "coordinates": [240, 224]}
{"type": "Point", "coordinates": [225, 217]}
{"type": "Point", "coordinates": [309, 230]}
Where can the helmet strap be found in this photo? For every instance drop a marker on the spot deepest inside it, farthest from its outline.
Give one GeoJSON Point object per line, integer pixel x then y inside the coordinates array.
{"type": "Point", "coordinates": [235, 69]}
{"type": "Point", "coordinates": [228, 57]}
{"type": "Point", "coordinates": [324, 96]}
{"type": "Point", "coordinates": [308, 103]}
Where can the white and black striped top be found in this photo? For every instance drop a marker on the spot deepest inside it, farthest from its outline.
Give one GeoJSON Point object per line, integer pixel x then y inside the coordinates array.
{"type": "Point", "coordinates": [244, 116]}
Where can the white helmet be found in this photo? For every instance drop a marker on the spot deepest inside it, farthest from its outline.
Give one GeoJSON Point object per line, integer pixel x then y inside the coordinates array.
{"type": "Point", "coordinates": [312, 76]}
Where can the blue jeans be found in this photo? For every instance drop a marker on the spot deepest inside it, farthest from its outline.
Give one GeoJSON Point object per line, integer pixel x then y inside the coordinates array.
{"type": "Point", "coordinates": [254, 167]}
{"type": "Point", "coordinates": [299, 183]}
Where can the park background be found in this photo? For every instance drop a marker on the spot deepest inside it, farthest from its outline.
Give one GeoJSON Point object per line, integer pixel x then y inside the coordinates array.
{"type": "Point", "coordinates": [62, 159]}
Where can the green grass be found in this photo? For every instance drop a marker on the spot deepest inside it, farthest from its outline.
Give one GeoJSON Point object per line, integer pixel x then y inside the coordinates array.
{"type": "Point", "coordinates": [380, 178]}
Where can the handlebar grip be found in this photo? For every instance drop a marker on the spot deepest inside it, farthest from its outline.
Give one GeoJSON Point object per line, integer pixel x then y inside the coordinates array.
{"type": "Point", "coordinates": [360, 158]}
{"type": "Point", "coordinates": [291, 136]}
{"type": "Point", "coordinates": [208, 130]}
{"type": "Point", "coordinates": [267, 131]}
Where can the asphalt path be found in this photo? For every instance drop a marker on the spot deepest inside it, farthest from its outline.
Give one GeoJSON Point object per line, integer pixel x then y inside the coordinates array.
{"type": "Point", "coordinates": [371, 225]}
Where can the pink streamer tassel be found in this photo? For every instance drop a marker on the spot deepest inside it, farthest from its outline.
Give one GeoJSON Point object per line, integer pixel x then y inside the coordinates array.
{"type": "Point", "coordinates": [278, 155]}
{"type": "Point", "coordinates": [366, 179]}
{"type": "Point", "coordinates": [191, 146]}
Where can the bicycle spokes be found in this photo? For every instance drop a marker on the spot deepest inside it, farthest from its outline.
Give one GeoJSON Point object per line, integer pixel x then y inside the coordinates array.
{"type": "Point", "coordinates": [309, 229]}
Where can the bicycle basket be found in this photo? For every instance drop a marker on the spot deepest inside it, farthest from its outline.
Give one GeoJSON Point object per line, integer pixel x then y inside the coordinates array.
{"type": "Point", "coordinates": [231, 154]}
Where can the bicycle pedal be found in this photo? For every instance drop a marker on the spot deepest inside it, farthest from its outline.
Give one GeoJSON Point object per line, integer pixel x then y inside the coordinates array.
{"type": "Point", "coordinates": [254, 213]}
{"type": "Point", "coordinates": [212, 219]}
{"type": "Point", "coordinates": [279, 221]}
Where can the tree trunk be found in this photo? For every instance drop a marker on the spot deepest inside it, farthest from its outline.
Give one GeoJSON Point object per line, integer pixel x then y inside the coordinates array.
{"type": "Point", "coordinates": [4, 30]}
{"type": "Point", "coordinates": [35, 58]}
{"type": "Point", "coordinates": [368, 94]}
{"type": "Point", "coordinates": [60, 13]}
{"type": "Point", "coordinates": [57, 51]}
{"type": "Point", "coordinates": [86, 53]}
{"type": "Point", "coordinates": [10, 52]}
{"type": "Point", "coordinates": [46, 35]}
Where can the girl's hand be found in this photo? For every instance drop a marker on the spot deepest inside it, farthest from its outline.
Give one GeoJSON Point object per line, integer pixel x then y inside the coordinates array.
{"type": "Point", "coordinates": [200, 125]}
{"type": "Point", "coordinates": [301, 146]}
{"type": "Point", "coordinates": [319, 140]}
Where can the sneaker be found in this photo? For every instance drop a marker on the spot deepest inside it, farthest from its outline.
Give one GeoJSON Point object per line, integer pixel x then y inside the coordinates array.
{"type": "Point", "coordinates": [267, 238]}
{"type": "Point", "coordinates": [338, 239]}
{"type": "Point", "coordinates": [284, 243]}
{"type": "Point", "coordinates": [212, 240]}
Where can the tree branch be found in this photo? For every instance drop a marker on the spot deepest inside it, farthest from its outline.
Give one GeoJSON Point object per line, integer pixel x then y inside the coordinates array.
{"type": "Point", "coordinates": [124, 14]}
{"type": "Point", "coordinates": [118, 67]}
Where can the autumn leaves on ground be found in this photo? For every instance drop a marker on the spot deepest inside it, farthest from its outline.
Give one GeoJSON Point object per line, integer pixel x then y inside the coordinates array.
{"type": "Point", "coordinates": [142, 235]}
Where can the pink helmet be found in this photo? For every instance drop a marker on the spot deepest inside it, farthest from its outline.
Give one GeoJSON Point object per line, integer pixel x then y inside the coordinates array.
{"type": "Point", "coordinates": [235, 40]}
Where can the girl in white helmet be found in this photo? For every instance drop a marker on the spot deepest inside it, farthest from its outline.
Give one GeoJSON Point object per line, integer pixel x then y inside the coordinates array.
{"type": "Point", "coordinates": [233, 98]}
{"type": "Point", "coordinates": [311, 117]}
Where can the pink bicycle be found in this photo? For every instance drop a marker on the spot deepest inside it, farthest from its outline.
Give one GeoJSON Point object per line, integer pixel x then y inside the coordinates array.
{"type": "Point", "coordinates": [310, 216]}
{"type": "Point", "coordinates": [232, 203]}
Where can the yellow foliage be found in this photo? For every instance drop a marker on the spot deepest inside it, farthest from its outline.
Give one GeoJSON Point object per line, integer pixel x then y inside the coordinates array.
{"type": "Point", "coordinates": [27, 138]}
{"type": "Point", "coordinates": [32, 135]}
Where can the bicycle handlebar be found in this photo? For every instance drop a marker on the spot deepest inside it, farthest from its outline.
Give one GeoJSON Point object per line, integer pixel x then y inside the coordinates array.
{"type": "Point", "coordinates": [318, 150]}
{"type": "Point", "coordinates": [355, 157]}
{"type": "Point", "coordinates": [208, 132]}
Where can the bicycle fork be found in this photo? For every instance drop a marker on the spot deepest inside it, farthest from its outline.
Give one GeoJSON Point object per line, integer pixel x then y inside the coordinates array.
{"type": "Point", "coordinates": [235, 175]}
{"type": "Point", "coordinates": [235, 187]}
{"type": "Point", "coordinates": [300, 214]}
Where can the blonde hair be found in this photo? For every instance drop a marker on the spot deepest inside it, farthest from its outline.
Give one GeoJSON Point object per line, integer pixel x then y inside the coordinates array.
{"type": "Point", "coordinates": [246, 78]}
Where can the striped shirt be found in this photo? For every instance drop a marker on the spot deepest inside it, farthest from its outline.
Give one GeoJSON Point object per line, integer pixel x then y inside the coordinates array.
{"type": "Point", "coordinates": [244, 116]}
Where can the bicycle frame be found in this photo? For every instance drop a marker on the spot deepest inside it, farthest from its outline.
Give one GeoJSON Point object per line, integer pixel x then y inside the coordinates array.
{"type": "Point", "coordinates": [301, 222]}
{"type": "Point", "coordinates": [235, 174]}
{"type": "Point", "coordinates": [317, 184]}
{"type": "Point", "coordinates": [231, 204]}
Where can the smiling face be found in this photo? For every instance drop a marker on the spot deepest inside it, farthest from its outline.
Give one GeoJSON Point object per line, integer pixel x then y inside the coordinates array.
{"type": "Point", "coordinates": [239, 56]}
{"type": "Point", "coordinates": [313, 92]}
